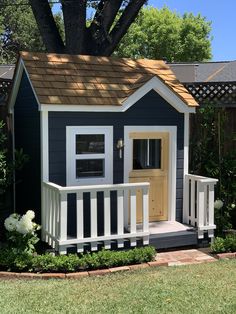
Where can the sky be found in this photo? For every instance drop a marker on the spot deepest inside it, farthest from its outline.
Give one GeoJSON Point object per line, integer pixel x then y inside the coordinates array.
{"type": "Point", "coordinates": [222, 14]}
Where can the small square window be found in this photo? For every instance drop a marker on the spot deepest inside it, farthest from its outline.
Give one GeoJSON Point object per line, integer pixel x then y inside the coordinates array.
{"type": "Point", "coordinates": [89, 168]}
{"type": "Point", "coordinates": [90, 144]}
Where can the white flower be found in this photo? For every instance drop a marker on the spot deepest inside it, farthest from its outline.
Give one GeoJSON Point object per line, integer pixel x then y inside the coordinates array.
{"type": "Point", "coordinates": [232, 205]}
{"type": "Point", "coordinates": [11, 222]}
{"type": "Point", "coordinates": [218, 204]}
{"type": "Point", "coordinates": [25, 225]}
{"type": "Point", "coordinates": [30, 214]}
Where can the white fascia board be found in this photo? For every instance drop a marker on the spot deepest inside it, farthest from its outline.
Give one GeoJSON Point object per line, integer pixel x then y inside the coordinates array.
{"type": "Point", "coordinates": [154, 83]}
{"type": "Point", "coordinates": [16, 85]}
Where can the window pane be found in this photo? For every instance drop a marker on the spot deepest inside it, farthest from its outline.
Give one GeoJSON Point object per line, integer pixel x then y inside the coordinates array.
{"type": "Point", "coordinates": [90, 144]}
{"type": "Point", "coordinates": [147, 154]}
{"type": "Point", "coordinates": [87, 168]}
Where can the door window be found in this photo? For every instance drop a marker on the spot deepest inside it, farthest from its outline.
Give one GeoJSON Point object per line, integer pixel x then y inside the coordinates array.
{"type": "Point", "coordinates": [146, 154]}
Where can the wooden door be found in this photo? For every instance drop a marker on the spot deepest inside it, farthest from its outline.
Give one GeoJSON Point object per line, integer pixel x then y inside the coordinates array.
{"type": "Point", "coordinates": [150, 160]}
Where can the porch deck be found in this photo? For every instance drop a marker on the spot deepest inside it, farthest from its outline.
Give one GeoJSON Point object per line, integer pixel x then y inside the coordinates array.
{"type": "Point", "coordinates": [171, 234]}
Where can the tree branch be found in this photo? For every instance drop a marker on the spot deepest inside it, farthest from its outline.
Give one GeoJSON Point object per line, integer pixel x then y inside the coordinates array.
{"type": "Point", "coordinates": [47, 26]}
{"type": "Point", "coordinates": [74, 13]}
{"type": "Point", "coordinates": [122, 25]}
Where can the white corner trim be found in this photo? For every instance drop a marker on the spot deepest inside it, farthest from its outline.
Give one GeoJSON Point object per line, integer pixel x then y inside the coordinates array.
{"type": "Point", "coordinates": [186, 143]}
{"type": "Point", "coordinates": [154, 83]}
{"type": "Point", "coordinates": [172, 130]}
{"type": "Point", "coordinates": [44, 146]}
{"type": "Point", "coordinates": [71, 156]}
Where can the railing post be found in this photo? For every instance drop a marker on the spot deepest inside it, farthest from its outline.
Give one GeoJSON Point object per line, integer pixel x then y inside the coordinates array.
{"type": "Point", "coordinates": [43, 235]}
{"type": "Point", "coordinates": [211, 208]}
{"type": "Point", "coordinates": [145, 214]}
{"type": "Point", "coordinates": [107, 217]}
{"type": "Point", "coordinates": [63, 216]}
{"type": "Point", "coordinates": [192, 202]}
{"type": "Point", "coordinates": [200, 207]}
{"type": "Point", "coordinates": [186, 200]}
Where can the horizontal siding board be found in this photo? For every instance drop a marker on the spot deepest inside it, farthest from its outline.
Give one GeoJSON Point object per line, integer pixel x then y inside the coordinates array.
{"type": "Point", "coordinates": [151, 109]}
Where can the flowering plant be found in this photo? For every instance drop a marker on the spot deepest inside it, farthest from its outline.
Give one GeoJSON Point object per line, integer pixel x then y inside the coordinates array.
{"type": "Point", "coordinates": [21, 232]}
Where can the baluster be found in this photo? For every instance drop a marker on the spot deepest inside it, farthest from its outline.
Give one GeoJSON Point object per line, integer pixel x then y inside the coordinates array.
{"type": "Point", "coordinates": [107, 217]}
{"type": "Point", "coordinates": [120, 217]}
{"type": "Point", "coordinates": [133, 215]}
{"type": "Point", "coordinates": [93, 204]}
{"type": "Point", "coordinates": [80, 220]}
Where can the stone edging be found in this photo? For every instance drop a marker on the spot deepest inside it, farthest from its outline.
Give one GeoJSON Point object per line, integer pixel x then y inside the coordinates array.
{"type": "Point", "coordinates": [100, 272]}
{"type": "Point", "coordinates": [225, 255]}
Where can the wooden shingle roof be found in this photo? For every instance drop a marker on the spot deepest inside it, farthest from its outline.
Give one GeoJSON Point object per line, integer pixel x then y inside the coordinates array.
{"type": "Point", "coordinates": [88, 80]}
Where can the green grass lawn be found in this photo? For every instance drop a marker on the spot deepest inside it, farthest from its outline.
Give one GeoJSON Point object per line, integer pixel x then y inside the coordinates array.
{"type": "Point", "coordinates": [204, 288]}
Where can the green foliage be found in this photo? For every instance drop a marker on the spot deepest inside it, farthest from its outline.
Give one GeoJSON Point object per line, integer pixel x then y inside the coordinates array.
{"type": "Point", "coordinates": [218, 246]}
{"type": "Point", "coordinates": [19, 261]}
{"type": "Point", "coordinates": [222, 245]}
{"type": "Point", "coordinates": [7, 166]}
{"type": "Point", "coordinates": [210, 157]}
{"type": "Point", "coordinates": [162, 33]}
{"type": "Point", "coordinates": [19, 31]}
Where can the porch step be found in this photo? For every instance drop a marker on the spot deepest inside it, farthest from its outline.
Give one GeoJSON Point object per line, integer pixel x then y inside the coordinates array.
{"type": "Point", "coordinates": [170, 234]}
{"type": "Point", "coordinates": [173, 239]}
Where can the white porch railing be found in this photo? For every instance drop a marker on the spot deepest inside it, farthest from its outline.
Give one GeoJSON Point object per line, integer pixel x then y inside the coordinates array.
{"type": "Point", "coordinates": [55, 211]}
{"type": "Point", "coordinates": [199, 204]}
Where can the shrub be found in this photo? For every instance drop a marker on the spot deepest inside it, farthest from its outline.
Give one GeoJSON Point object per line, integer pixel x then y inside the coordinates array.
{"type": "Point", "coordinates": [21, 232]}
{"type": "Point", "coordinates": [11, 261]}
{"type": "Point", "coordinates": [218, 246]}
{"type": "Point", "coordinates": [222, 245]}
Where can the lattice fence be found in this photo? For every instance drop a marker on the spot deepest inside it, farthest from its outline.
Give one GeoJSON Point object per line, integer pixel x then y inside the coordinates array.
{"type": "Point", "coordinates": [220, 93]}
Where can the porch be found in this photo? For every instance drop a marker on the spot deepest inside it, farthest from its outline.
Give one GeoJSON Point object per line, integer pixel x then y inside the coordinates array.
{"type": "Point", "coordinates": [107, 214]}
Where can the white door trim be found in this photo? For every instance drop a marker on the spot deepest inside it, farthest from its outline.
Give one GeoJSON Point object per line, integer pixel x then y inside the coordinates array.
{"type": "Point", "coordinates": [172, 130]}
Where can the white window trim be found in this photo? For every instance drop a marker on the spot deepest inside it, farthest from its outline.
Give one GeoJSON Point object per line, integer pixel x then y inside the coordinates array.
{"type": "Point", "coordinates": [172, 130]}
{"type": "Point", "coordinates": [71, 131]}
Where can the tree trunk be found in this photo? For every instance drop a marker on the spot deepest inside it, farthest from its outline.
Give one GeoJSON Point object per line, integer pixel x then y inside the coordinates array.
{"type": "Point", "coordinates": [74, 14]}
{"type": "Point", "coordinates": [47, 26]}
{"type": "Point", "coordinates": [97, 39]}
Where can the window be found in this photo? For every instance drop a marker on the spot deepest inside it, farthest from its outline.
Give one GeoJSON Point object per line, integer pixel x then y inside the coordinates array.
{"type": "Point", "coordinates": [146, 154]}
{"type": "Point", "coordinates": [89, 155]}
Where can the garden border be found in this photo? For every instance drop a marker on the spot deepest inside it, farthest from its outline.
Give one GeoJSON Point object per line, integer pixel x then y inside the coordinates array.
{"type": "Point", "coordinates": [100, 272]}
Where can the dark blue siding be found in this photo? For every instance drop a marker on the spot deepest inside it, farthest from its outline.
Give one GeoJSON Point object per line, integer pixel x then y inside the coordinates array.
{"type": "Point", "coordinates": [27, 136]}
{"type": "Point", "coordinates": [152, 109]}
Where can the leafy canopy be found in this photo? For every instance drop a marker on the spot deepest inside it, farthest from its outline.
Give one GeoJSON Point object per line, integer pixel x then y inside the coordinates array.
{"type": "Point", "coordinates": [158, 34]}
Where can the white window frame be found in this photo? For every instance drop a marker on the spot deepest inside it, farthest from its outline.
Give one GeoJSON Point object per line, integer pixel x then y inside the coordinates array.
{"type": "Point", "coordinates": [71, 156]}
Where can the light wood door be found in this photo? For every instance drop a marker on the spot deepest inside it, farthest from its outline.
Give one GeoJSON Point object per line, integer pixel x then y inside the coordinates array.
{"type": "Point", "coordinates": [150, 164]}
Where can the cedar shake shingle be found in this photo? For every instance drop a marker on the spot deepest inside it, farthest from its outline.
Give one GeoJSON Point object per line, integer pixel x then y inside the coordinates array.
{"type": "Point", "coordinates": [88, 80]}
